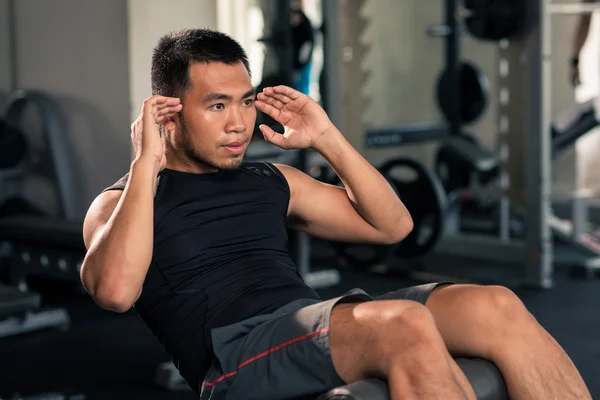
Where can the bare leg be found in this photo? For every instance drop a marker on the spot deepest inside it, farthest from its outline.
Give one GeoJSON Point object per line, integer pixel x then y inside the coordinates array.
{"type": "Point", "coordinates": [396, 340]}
{"type": "Point", "coordinates": [492, 323]}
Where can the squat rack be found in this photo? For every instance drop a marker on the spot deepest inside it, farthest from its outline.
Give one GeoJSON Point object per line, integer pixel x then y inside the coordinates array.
{"type": "Point", "coordinates": [524, 123]}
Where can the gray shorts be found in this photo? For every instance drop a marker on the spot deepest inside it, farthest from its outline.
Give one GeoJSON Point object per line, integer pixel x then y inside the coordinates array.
{"type": "Point", "coordinates": [285, 354]}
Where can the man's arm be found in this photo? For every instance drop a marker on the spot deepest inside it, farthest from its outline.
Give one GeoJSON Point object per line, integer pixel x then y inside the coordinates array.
{"type": "Point", "coordinates": [118, 230]}
{"type": "Point", "coordinates": [582, 31]}
{"type": "Point", "coordinates": [367, 210]}
{"type": "Point", "coordinates": [581, 34]}
{"type": "Point", "coordinates": [119, 234]}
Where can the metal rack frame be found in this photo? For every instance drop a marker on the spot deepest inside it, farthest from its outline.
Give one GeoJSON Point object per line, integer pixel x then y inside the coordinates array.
{"type": "Point", "coordinates": [523, 112]}
{"type": "Point", "coordinates": [524, 121]}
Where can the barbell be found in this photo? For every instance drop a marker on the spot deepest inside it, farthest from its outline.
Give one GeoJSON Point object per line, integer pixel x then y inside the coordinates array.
{"type": "Point", "coordinates": [489, 20]}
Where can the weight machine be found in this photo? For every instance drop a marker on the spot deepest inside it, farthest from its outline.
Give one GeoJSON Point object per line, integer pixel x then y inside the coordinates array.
{"type": "Point", "coordinates": [547, 241]}
{"type": "Point", "coordinates": [33, 244]}
{"type": "Point", "coordinates": [525, 125]}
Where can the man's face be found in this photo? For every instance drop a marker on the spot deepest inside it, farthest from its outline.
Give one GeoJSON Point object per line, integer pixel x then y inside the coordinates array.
{"type": "Point", "coordinates": [218, 116]}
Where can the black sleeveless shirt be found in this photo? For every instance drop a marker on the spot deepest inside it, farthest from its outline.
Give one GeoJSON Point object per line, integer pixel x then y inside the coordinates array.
{"type": "Point", "coordinates": [220, 256]}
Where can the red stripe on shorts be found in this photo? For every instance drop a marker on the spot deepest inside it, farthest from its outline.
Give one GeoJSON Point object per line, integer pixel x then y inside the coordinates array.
{"type": "Point", "coordinates": [264, 354]}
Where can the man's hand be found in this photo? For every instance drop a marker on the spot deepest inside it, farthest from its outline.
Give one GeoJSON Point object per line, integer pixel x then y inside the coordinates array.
{"type": "Point", "coordinates": [304, 120]}
{"type": "Point", "coordinates": [147, 141]}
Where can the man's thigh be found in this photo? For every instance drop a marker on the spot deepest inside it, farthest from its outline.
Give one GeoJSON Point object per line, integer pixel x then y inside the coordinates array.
{"type": "Point", "coordinates": [286, 355]}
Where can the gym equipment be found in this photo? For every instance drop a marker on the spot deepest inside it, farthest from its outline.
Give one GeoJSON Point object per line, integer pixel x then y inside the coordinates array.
{"type": "Point", "coordinates": [424, 197]}
{"type": "Point", "coordinates": [528, 260]}
{"type": "Point", "coordinates": [474, 88]}
{"type": "Point", "coordinates": [494, 20]}
{"type": "Point", "coordinates": [13, 146]}
{"type": "Point", "coordinates": [464, 165]}
{"type": "Point", "coordinates": [471, 172]}
{"type": "Point", "coordinates": [56, 164]}
{"type": "Point", "coordinates": [462, 156]}
{"type": "Point", "coordinates": [41, 245]}
{"type": "Point", "coordinates": [409, 133]}
{"type": "Point", "coordinates": [21, 312]}
{"type": "Point", "coordinates": [451, 32]}
{"type": "Point", "coordinates": [490, 20]}
{"type": "Point", "coordinates": [485, 378]}
{"type": "Point", "coordinates": [573, 124]}
{"type": "Point", "coordinates": [485, 19]}
{"type": "Point", "coordinates": [21, 225]}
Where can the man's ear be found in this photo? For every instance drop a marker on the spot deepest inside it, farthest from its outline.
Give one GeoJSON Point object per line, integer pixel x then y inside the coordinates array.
{"type": "Point", "coordinates": [169, 123]}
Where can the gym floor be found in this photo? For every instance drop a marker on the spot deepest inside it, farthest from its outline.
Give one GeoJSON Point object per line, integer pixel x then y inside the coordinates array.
{"type": "Point", "coordinates": [105, 355]}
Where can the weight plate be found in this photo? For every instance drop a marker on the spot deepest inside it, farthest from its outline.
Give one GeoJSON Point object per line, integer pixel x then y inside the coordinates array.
{"type": "Point", "coordinates": [474, 89]}
{"type": "Point", "coordinates": [495, 20]}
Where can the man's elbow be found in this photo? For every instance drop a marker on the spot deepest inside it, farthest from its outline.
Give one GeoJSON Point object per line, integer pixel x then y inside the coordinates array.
{"type": "Point", "coordinates": [114, 299]}
{"type": "Point", "coordinates": [107, 295]}
{"type": "Point", "coordinates": [401, 229]}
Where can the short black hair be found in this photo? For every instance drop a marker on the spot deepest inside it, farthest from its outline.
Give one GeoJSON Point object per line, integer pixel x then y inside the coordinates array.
{"type": "Point", "coordinates": [176, 51]}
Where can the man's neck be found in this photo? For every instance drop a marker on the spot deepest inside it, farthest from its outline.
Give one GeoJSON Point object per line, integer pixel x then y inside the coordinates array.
{"type": "Point", "coordinates": [180, 162]}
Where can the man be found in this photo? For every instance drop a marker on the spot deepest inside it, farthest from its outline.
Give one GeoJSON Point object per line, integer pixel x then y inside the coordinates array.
{"type": "Point", "coordinates": [581, 34]}
{"type": "Point", "coordinates": [195, 239]}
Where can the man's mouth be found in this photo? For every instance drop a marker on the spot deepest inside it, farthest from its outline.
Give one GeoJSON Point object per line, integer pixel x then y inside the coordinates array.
{"type": "Point", "coordinates": [235, 148]}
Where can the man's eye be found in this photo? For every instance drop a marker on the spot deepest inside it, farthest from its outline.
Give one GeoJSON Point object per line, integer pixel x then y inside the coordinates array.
{"type": "Point", "coordinates": [218, 107]}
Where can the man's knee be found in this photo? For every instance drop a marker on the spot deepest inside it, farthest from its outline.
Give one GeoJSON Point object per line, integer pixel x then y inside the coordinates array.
{"type": "Point", "coordinates": [501, 302]}
{"type": "Point", "coordinates": [383, 330]}
{"type": "Point", "coordinates": [397, 320]}
{"type": "Point", "coordinates": [491, 304]}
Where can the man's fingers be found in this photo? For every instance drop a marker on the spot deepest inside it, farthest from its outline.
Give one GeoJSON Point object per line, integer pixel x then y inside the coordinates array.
{"type": "Point", "coordinates": [168, 110]}
{"type": "Point", "coordinates": [170, 101]}
{"type": "Point", "coordinates": [282, 98]}
{"type": "Point", "coordinates": [167, 105]}
{"type": "Point", "coordinates": [268, 109]}
{"type": "Point", "coordinates": [287, 92]}
{"type": "Point", "coordinates": [272, 137]}
{"type": "Point", "coordinates": [164, 100]}
{"type": "Point", "coordinates": [270, 91]}
{"type": "Point", "coordinates": [270, 100]}
{"type": "Point", "coordinates": [151, 104]}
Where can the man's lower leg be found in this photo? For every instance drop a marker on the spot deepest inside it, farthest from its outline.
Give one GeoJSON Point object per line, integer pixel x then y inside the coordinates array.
{"type": "Point", "coordinates": [461, 379]}
{"type": "Point", "coordinates": [540, 369]}
{"type": "Point", "coordinates": [398, 341]}
{"type": "Point", "coordinates": [427, 375]}
{"type": "Point", "coordinates": [492, 323]}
